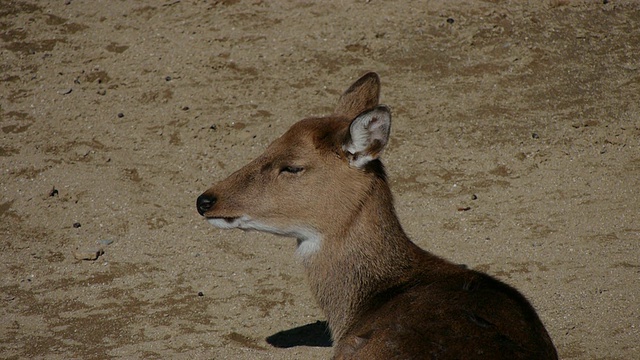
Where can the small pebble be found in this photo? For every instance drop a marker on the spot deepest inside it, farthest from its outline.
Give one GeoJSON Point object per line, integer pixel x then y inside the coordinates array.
{"type": "Point", "coordinates": [213, 127]}
{"type": "Point", "coordinates": [76, 225]}
{"type": "Point", "coordinates": [53, 192]}
{"type": "Point", "coordinates": [185, 108]}
{"type": "Point", "coordinates": [474, 197]}
{"type": "Point", "coordinates": [120, 115]}
{"type": "Point", "coordinates": [200, 293]}
{"type": "Point", "coordinates": [168, 78]}
{"type": "Point", "coordinates": [535, 136]}
{"type": "Point", "coordinates": [105, 242]}
{"type": "Point", "coordinates": [450, 20]}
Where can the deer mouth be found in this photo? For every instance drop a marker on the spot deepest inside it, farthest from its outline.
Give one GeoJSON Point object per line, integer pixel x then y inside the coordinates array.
{"type": "Point", "coordinates": [246, 223]}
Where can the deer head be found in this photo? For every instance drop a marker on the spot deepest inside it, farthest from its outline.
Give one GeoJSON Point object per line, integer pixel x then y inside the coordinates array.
{"type": "Point", "coordinates": [310, 180]}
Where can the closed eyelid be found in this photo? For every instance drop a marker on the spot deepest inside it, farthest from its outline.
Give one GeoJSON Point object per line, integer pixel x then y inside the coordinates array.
{"type": "Point", "coordinates": [292, 169]}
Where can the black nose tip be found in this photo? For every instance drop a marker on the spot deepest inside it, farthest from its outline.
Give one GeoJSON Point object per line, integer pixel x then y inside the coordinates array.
{"type": "Point", "coordinates": [205, 203]}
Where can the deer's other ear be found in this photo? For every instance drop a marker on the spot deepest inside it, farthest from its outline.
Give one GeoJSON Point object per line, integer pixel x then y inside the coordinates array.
{"type": "Point", "coordinates": [367, 137]}
{"type": "Point", "coordinates": [363, 95]}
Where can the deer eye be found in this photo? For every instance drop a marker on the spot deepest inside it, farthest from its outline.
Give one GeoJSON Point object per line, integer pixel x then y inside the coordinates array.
{"type": "Point", "coordinates": [291, 169]}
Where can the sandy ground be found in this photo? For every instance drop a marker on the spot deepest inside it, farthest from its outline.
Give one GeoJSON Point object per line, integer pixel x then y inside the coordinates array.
{"type": "Point", "coordinates": [116, 115]}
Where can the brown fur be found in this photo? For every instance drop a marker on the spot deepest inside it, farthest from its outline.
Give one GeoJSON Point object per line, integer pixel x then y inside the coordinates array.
{"type": "Point", "coordinates": [383, 296]}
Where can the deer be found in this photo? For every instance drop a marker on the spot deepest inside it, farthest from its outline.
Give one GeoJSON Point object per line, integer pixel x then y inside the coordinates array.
{"type": "Point", "coordinates": [322, 182]}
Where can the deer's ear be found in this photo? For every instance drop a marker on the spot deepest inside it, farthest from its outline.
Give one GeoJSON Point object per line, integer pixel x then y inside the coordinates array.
{"type": "Point", "coordinates": [367, 137]}
{"type": "Point", "coordinates": [363, 95]}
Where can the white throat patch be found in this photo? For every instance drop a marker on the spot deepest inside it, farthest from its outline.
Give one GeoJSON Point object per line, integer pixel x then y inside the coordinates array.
{"type": "Point", "coordinates": [308, 244]}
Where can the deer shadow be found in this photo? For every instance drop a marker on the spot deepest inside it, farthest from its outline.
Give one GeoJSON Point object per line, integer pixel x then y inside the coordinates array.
{"type": "Point", "coordinates": [315, 334]}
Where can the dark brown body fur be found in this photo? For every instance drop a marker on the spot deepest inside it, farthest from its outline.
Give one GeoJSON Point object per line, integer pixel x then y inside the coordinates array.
{"type": "Point", "coordinates": [447, 312]}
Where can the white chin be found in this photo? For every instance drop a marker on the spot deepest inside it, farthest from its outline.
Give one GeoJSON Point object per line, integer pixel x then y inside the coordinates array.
{"type": "Point", "coordinates": [225, 223]}
{"type": "Point", "coordinates": [308, 240]}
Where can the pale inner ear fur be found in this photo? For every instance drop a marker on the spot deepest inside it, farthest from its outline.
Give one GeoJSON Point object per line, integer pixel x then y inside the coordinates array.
{"type": "Point", "coordinates": [369, 134]}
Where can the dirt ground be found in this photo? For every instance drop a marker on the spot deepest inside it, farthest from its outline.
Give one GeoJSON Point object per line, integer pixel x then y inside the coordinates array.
{"type": "Point", "coordinates": [116, 115]}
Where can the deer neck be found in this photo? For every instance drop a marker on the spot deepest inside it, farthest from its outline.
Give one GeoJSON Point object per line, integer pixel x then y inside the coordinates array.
{"type": "Point", "coordinates": [366, 255]}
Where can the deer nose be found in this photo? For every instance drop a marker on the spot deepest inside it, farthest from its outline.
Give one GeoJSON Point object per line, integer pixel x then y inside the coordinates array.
{"type": "Point", "coordinates": [205, 203]}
